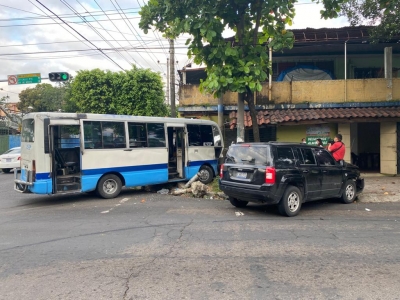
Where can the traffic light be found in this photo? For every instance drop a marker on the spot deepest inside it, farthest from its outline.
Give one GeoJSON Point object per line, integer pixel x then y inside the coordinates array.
{"type": "Point", "coordinates": [59, 76]}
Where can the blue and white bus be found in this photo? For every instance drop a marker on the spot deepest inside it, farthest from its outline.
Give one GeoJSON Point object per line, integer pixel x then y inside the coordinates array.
{"type": "Point", "coordinates": [73, 152]}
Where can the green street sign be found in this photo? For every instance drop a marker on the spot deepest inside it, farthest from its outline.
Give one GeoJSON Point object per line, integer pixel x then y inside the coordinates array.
{"type": "Point", "coordinates": [29, 78]}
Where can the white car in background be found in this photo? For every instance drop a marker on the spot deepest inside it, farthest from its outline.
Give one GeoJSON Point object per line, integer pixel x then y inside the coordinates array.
{"type": "Point", "coordinates": [10, 159]}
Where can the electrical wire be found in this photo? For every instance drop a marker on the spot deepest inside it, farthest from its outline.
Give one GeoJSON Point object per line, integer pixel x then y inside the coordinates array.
{"type": "Point", "coordinates": [155, 32]}
{"type": "Point", "coordinates": [95, 30]}
{"type": "Point", "coordinates": [65, 16]}
{"type": "Point", "coordinates": [81, 35]}
{"type": "Point", "coordinates": [131, 29]}
{"type": "Point", "coordinates": [118, 31]}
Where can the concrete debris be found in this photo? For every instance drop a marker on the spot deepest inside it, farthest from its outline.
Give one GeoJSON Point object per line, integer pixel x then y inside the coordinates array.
{"type": "Point", "coordinates": [193, 179]}
{"type": "Point", "coordinates": [163, 192]}
{"type": "Point", "coordinates": [199, 189]}
{"type": "Point", "coordinates": [177, 192]}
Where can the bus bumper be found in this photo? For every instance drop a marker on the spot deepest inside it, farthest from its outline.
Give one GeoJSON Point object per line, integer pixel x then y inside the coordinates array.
{"type": "Point", "coordinates": [22, 185]}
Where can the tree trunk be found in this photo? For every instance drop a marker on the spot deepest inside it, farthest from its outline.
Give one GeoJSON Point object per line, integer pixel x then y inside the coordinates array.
{"type": "Point", "coordinates": [240, 118]}
{"type": "Point", "coordinates": [253, 114]}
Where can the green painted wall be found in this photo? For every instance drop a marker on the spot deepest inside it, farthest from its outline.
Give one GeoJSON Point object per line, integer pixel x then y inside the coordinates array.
{"type": "Point", "coordinates": [297, 132]}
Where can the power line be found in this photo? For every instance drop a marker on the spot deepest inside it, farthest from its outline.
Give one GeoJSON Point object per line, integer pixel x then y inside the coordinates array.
{"type": "Point", "coordinates": [71, 22]}
{"type": "Point", "coordinates": [119, 32]}
{"type": "Point", "coordinates": [80, 35]}
{"type": "Point", "coordinates": [90, 25]}
{"type": "Point", "coordinates": [59, 24]}
{"type": "Point", "coordinates": [63, 42]}
{"type": "Point", "coordinates": [131, 29]}
{"type": "Point", "coordinates": [66, 16]}
{"type": "Point", "coordinates": [156, 33]}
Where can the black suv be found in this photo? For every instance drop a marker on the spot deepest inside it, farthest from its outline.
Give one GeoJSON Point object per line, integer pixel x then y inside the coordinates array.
{"type": "Point", "coordinates": [286, 174]}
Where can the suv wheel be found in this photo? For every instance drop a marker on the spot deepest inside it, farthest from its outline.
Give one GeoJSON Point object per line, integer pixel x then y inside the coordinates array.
{"type": "Point", "coordinates": [291, 202]}
{"type": "Point", "coordinates": [349, 192]}
{"type": "Point", "coordinates": [238, 203]}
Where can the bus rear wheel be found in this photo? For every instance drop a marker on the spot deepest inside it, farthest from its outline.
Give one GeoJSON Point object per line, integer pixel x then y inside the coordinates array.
{"type": "Point", "coordinates": [109, 186]}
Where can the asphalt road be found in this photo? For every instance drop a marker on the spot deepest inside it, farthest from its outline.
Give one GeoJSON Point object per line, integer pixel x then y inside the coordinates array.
{"type": "Point", "coordinates": [149, 246]}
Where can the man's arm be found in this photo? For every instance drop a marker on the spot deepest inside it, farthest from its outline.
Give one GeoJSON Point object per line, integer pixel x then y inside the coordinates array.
{"type": "Point", "coordinates": [333, 147]}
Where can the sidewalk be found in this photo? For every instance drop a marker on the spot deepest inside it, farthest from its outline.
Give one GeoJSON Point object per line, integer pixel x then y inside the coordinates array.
{"type": "Point", "coordinates": [380, 188]}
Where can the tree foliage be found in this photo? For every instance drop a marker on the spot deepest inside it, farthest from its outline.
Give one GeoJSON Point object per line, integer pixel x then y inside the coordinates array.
{"type": "Point", "coordinates": [384, 14]}
{"type": "Point", "coordinates": [133, 92]}
{"type": "Point", "coordinates": [43, 97]}
{"type": "Point", "coordinates": [238, 64]}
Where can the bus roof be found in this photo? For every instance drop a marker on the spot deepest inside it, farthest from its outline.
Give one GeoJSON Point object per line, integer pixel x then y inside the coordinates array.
{"type": "Point", "coordinates": [109, 117]}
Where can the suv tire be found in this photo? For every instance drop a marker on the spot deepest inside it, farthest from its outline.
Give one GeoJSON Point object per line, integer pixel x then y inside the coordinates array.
{"type": "Point", "coordinates": [349, 192]}
{"type": "Point", "coordinates": [238, 203]}
{"type": "Point", "coordinates": [291, 201]}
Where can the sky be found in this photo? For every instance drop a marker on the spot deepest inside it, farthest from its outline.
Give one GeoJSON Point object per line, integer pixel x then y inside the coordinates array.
{"type": "Point", "coordinates": [36, 38]}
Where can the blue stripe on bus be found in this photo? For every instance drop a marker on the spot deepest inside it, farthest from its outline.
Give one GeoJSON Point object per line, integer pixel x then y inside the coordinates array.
{"type": "Point", "coordinates": [202, 162]}
{"type": "Point", "coordinates": [133, 176]}
{"type": "Point", "coordinates": [43, 176]}
{"type": "Point", "coordinates": [194, 167]}
{"type": "Point", "coordinates": [101, 171]}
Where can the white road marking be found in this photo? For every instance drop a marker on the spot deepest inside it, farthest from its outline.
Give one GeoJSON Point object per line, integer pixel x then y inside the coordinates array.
{"type": "Point", "coordinates": [239, 213]}
{"type": "Point", "coordinates": [116, 205]}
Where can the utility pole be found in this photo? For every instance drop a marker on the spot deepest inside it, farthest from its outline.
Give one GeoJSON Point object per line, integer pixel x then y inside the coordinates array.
{"type": "Point", "coordinates": [172, 77]}
{"type": "Point", "coordinates": [167, 88]}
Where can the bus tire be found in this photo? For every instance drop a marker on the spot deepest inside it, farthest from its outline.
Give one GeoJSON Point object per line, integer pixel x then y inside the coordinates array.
{"type": "Point", "coordinates": [109, 186]}
{"type": "Point", "coordinates": [206, 174]}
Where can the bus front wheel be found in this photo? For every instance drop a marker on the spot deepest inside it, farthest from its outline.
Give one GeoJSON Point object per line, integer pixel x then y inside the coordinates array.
{"type": "Point", "coordinates": [206, 174]}
{"type": "Point", "coordinates": [109, 186]}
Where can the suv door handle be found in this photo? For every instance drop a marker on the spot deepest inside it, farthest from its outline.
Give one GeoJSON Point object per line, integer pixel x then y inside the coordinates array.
{"type": "Point", "coordinates": [305, 171]}
{"type": "Point", "coordinates": [324, 171]}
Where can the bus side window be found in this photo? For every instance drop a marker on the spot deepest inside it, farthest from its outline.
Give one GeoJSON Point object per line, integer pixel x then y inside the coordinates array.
{"type": "Point", "coordinates": [137, 135]}
{"type": "Point", "coordinates": [156, 134]}
{"type": "Point", "coordinates": [194, 135]}
{"type": "Point", "coordinates": [207, 137]}
{"type": "Point", "coordinates": [200, 135]}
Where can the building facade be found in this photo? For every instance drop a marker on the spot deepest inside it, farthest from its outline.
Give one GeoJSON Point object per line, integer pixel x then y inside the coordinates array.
{"type": "Point", "coordinates": [332, 81]}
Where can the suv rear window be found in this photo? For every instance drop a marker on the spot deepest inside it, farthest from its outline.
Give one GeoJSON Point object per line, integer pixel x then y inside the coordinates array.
{"type": "Point", "coordinates": [249, 154]}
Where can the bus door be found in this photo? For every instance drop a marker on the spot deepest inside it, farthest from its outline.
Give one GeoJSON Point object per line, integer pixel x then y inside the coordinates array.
{"type": "Point", "coordinates": [64, 141]}
{"type": "Point", "coordinates": [176, 151]}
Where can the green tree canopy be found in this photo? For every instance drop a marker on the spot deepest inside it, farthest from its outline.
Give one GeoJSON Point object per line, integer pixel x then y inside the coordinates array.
{"type": "Point", "coordinates": [239, 64]}
{"type": "Point", "coordinates": [134, 92]}
{"type": "Point", "coordinates": [43, 97]}
{"type": "Point", "coordinates": [385, 14]}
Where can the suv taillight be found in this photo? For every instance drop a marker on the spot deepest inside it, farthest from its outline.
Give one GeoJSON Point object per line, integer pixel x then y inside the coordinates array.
{"type": "Point", "coordinates": [221, 171]}
{"type": "Point", "coordinates": [270, 175]}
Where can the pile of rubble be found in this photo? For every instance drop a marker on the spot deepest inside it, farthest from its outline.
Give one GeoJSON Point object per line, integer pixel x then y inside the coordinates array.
{"type": "Point", "coordinates": [194, 189]}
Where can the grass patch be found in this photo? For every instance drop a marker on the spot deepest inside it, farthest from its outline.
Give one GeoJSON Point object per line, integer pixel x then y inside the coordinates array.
{"type": "Point", "coordinates": [213, 185]}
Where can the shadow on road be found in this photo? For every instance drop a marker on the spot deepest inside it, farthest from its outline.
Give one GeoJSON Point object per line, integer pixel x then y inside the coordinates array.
{"type": "Point", "coordinates": [32, 200]}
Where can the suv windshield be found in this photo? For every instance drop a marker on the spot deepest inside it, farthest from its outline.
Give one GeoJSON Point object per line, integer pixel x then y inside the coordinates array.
{"type": "Point", "coordinates": [249, 154]}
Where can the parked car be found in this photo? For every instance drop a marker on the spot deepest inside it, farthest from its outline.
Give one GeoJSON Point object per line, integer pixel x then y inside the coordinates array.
{"type": "Point", "coordinates": [286, 174]}
{"type": "Point", "coordinates": [10, 159]}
